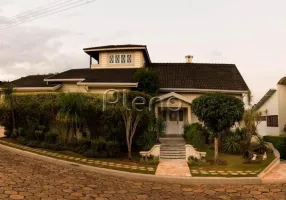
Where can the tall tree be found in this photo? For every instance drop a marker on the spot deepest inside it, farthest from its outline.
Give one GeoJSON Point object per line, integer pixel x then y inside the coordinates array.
{"type": "Point", "coordinates": [148, 81]}
{"type": "Point", "coordinates": [8, 91]}
{"type": "Point", "coordinates": [134, 108]}
{"type": "Point", "coordinates": [219, 112]}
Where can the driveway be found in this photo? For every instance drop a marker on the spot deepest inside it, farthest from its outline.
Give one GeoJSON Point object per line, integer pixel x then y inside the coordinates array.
{"type": "Point", "coordinates": [28, 178]}
{"type": "Point", "coordinates": [1, 131]}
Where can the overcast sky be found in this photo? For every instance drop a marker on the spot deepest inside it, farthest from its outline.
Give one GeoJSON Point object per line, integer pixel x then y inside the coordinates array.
{"type": "Point", "coordinates": [250, 34]}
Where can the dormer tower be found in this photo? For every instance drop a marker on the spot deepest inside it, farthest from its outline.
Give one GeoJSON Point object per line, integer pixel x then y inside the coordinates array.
{"type": "Point", "coordinates": [118, 56]}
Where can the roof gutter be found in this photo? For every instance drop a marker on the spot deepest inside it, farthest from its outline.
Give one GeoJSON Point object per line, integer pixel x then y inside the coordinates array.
{"type": "Point", "coordinates": [36, 88]}
{"type": "Point", "coordinates": [64, 80]}
{"type": "Point", "coordinates": [202, 90]}
{"type": "Point", "coordinates": [116, 85]}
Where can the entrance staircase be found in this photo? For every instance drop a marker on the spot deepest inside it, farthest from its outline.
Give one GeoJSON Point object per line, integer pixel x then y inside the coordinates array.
{"type": "Point", "coordinates": [172, 148]}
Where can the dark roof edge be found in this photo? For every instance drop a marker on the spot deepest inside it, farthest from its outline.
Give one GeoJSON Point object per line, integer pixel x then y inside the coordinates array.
{"type": "Point", "coordinates": [115, 46]}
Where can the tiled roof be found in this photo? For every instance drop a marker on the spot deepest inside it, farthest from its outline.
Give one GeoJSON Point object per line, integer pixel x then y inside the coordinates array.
{"type": "Point", "coordinates": [98, 75]}
{"type": "Point", "coordinates": [171, 75]}
{"type": "Point", "coordinates": [116, 46]}
{"type": "Point", "coordinates": [32, 81]}
{"type": "Point", "coordinates": [199, 76]}
{"type": "Point", "coordinates": [264, 99]}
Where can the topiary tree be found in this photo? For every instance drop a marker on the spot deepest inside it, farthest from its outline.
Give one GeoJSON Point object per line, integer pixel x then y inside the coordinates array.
{"type": "Point", "coordinates": [219, 112]}
{"type": "Point", "coordinates": [148, 81]}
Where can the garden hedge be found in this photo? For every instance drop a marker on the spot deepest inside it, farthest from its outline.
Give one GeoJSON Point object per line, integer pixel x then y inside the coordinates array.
{"type": "Point", "coordinates": [279, 143]}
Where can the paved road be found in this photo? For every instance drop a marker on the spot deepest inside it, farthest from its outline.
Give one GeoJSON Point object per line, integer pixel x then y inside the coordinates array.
{"type": "Point", "coordinates": [27, 178]}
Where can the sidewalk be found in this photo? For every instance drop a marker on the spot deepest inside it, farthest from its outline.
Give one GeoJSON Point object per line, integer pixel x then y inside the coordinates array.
{"type": "Point", "coordinates": [1, 131]}
{"type": "Point", "coordinates": [178, 168]}
{"type": "Point", "coordinates": [276, 175]}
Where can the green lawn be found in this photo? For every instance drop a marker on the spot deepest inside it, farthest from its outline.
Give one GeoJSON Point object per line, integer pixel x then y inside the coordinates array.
{"type": "Point", "coordinates": [234, 162]}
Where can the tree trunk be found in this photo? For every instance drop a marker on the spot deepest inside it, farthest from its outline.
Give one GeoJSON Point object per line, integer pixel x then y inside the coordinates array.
{"type": "Point", "coordinates": [216, 148]}
{"type": "Point", "coordinates": [129, 155]}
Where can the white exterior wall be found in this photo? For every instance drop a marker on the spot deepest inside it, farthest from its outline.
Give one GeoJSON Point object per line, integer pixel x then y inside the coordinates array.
{"type": "Point", "coordinates": [271, 105]}
{"type": "Point", "coordinates": [138, 59]}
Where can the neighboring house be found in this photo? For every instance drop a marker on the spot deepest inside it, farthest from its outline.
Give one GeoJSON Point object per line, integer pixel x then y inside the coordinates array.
{"type": "Point", "coordinates": [115, 66]}
{"type": "Point", "coordinates": [273, 109]}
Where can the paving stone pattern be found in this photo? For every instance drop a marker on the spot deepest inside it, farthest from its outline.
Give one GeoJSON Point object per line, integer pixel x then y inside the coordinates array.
{"type": "Point", "coordinates": [104, 164]}
{"type": "Point", "coordinates": [32, 179]}
{"type": "Point", "coordinates": [225, 173]}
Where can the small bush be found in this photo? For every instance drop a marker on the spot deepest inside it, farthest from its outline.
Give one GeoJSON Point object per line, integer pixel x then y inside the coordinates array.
{"type": "Point", "coordinates": [193, 134]}
{"type": "Point", "coordinates": [279, 143]}
{"type": "Point", "coordinates": [22, 140]}
{"type": "Point", "coordinates": [195, 161]}
{"type": "Point", "coordinates": [99, 144]}
{"type": "Point", "coordinates": [51, 137]}
{"type": "Point", "coordinates": [112, 148]}
{"type": "Point", "coordinates": [149, 160]}
{"type": "Point", "coordinates": [147, 140]}
{"type": "Point", "coordinates": [83, 145]}
{"type": "Point", "coordinates": [39, 135]}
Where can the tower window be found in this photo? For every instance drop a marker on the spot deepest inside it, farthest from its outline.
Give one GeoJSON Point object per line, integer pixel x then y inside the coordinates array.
{"type": "Point", "coordinates": [120, 59]}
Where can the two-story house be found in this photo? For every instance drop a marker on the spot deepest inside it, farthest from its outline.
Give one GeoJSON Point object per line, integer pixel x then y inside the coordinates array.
{"type": "Point", "coordinates": [115, 66]}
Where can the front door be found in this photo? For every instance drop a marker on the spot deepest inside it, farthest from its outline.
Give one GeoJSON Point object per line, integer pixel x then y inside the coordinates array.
{"type": "Point", "coordinates": [175, 122]}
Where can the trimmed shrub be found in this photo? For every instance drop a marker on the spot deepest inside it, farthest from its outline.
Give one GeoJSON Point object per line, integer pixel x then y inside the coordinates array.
{"type": "Point", "coordinates": [83, 145]}
{"type": "Point", "coordinates": [279, 143]}
{"type": "Point", "coordinates": [51, 137]}
{"type": "Point", "coordinates": [112, 149]}
{"type": "Point", "coordinates": [149, 160]}
{"type": "Point", "coordinates": [194, 133]}
{"type": "Point", "coordinates": [147, 140]}
{"type": "Point", "coordinates": [99, 144]}
{"type": "Point", "coordinates": [22, 140]}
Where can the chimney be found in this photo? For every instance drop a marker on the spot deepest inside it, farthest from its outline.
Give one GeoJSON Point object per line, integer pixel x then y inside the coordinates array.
{"type": "Point", "coordinates": [189, 59]}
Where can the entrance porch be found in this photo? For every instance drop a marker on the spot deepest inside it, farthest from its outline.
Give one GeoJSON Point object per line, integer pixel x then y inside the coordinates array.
{"type": "Point", "coordinates": [175, 110]}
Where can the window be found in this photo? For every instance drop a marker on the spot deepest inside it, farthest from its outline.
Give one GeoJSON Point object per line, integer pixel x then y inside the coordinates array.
{"type": "Point", "coordinates": [173, 115]}
{"type": "Point", "coordinates": [120, 59]}
{"type": "Point", "coordinates": [111, 59]}
{"type": "Point", "coordinates": [272, 121]}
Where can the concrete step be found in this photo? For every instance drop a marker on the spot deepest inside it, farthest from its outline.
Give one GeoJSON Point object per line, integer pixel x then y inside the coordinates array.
{"type": "Point", "coordinates": [172, 157]}
{"type": "Point", "coordinates": [172, 152]}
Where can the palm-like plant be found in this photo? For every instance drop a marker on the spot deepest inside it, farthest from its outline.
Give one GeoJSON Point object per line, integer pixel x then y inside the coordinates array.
{"type": "Point", "coordinates": [251, 119]}
{"type": "Point", "coordinates": [71, 112]}
{"type": "Point", "coordinates": [8, 91]}
{"type": "Point", "coordinates": [231, 144]}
